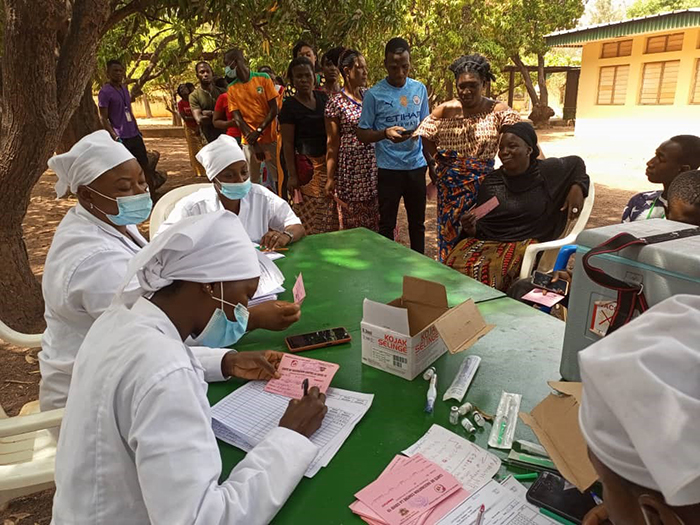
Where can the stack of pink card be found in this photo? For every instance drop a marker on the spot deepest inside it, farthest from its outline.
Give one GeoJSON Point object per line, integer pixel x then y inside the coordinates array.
{"type": "Point", "coordinates": [410, 491]}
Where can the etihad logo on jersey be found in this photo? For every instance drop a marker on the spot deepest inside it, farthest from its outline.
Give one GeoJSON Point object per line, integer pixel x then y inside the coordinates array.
{"type": "Point", "coordinates": [413, 115]}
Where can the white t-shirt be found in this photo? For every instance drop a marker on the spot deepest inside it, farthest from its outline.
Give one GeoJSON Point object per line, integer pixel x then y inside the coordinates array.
{"type": "Point", "coordinates": [261, 210]}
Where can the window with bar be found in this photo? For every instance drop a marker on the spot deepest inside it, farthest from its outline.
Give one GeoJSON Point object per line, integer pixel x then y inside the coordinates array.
{"type": "Point", "coordinates": [664, 43]}
{"type": "Point", "coordinates": [659, 81]}
{"type": "Point", "coordinates": [612, 85]}
{"type": "Point", "coordinates": [622, 48]}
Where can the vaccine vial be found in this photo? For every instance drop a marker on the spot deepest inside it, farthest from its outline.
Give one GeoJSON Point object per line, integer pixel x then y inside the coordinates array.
{"type": "Point", "coordinates": [429, 373]}
{"type": "Point", "coordinates": [465, 409]}
{"type": "Point", "coordinates": [468, 426]}
{"type": "Point", "coordinates": [479, 420]}
{"type": "Point", "coordinates": [454, 416]}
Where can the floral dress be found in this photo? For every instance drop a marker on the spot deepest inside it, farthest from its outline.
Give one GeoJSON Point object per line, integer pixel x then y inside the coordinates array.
{"type": "Point", "coordinates": [356, 174]}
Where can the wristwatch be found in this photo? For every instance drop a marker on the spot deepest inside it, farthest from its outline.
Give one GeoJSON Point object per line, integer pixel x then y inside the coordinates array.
{"type": "Point", "coordinates": [290, 235]}
{"type": "Point", "coordinates": [259, 130]}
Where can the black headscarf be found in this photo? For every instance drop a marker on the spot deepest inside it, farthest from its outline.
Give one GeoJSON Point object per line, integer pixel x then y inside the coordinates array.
{"type": "Point", "coordinates": [525, 131]}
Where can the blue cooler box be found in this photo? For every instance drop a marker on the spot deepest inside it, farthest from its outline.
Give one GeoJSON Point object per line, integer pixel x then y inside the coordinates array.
{"type": "Point", "coordinates": [664, 269]}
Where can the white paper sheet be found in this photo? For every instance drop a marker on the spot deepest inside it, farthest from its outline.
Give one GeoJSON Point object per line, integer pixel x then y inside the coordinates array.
{"type": "Point", "coordinates": [505, 505]}
{"type": "Point", "coordinates": [472, 465]}
{"type": "Point", "coordinates": [248, 414]}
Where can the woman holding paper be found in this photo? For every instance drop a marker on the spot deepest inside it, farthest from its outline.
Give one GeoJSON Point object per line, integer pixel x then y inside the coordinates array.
{"type": "Point", "coordinates": [527, 200]}
{"type": "Point", "coordinates": [461, 136]}
{"type": "Point", "coordinates": [137, 444]}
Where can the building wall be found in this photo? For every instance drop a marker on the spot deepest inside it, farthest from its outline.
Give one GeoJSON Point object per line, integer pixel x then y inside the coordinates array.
{"type": "Point", "coordinates": [651, 123]}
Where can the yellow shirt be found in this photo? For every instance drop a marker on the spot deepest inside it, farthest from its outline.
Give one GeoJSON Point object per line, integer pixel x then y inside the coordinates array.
{"type": "Point", "coordinates": [253, 99]}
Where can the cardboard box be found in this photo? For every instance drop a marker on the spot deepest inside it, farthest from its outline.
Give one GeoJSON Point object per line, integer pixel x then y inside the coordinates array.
{"type": "Point", "coordinates": [407, 335]}
{"type": "Point", "coordinates": [555, 422]}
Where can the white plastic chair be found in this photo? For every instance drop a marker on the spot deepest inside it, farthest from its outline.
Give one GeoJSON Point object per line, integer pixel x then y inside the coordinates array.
{"type": "Point", "coordinates": [27, 452]}
{"type": "Point", "coordinates": [14, 337]}
{"type": "Point", "coordinates": [167, 202]}
{"type": "Point", "coordinates": [570, 238]}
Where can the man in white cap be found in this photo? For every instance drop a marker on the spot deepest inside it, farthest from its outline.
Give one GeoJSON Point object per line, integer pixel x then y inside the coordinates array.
{"type": "Point", "coordinates": [90, 250]}
{"type": "Point", "coordinates": [640, 416]}
{"type": "Point", "coordinates": [268, 219]}
{"type": "Point", "coordinates": [89, 255]}
{"type": "Point", "coordinates": [136, 443]}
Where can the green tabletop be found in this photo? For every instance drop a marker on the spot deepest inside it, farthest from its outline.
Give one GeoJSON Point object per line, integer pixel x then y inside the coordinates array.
{"type": "Point", "coordinates": [519, 356]}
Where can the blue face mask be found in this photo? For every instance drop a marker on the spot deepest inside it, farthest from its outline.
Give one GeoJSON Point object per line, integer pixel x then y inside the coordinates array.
{"type": "Point", "coordinates": [235, 190]}
{"type": "Point", "coordinates": [230, 73]}
{"type": "Point", "coordinates": [133, 209]}
{"type": "Point", "coordinates": [220, 332]}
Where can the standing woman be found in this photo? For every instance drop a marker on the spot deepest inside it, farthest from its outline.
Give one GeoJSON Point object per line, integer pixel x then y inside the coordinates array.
{"type": "Point", "coordinates": [331, 71]}
{"type": "Point", "coordinates": [462, 137]}
{"type": "Point", "coordinates": [304, 143]}
{"type": "Point", "coordinates": [192, 136]}
{"type": "Point", "coordinates": [352, 168]}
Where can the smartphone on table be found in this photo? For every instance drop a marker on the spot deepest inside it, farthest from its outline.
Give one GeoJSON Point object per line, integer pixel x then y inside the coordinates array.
{"type": "Point", "coordinates": [544, 281]}
{"type": "Point", "coordinates": [320, 339]}
{"type": "Point", "coordinates": [555, 494]}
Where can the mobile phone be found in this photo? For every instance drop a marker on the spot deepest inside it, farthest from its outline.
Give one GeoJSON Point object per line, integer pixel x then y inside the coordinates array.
{"type": "Point", "coordinates": [320, 339]}
{"type": "Point", "coordinates": [553, 493]}
{"type": "Point", "coordinates": [408, 132]}
{"type": "Point", "coordinates": [544, 280]}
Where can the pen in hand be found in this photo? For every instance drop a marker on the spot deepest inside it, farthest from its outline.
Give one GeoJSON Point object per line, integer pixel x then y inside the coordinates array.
{"type": "Point", "coordinates": [305, 386]}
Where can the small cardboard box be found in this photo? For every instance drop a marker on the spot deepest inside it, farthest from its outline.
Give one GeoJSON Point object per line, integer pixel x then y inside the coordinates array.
{"type": "Point", "coordinates": [407, 335]}
{"type": "Point", "coordinates": [555, 423]}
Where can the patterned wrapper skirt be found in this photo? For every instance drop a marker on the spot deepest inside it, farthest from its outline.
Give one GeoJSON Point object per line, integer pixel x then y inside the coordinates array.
{"type": "Point", "coordinates": [359, 215]}
{"type": "Point", "coordinates": [458, 180]}
{"type": "Point", "coordinates": [318, 213]}
{"type": "Point", "coordinates": [496, 264]}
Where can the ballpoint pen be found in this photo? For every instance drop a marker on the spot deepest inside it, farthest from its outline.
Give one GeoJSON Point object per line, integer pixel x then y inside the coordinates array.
{"type": "Point", "coordinates": [480, 516]}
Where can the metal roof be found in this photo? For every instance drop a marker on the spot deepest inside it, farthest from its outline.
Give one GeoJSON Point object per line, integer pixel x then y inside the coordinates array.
{"type": "Point", "coordinates": [633, 26]}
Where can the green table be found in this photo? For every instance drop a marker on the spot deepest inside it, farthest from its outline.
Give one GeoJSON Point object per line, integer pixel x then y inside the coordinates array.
{"type": "Point", "coordinates": [519, 355]}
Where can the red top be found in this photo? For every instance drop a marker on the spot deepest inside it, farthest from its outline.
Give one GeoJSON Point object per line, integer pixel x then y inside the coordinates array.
{"type": "Point", "coordinates": [222, 105]}
{"type": "Point", "coordinates": [183, 107]}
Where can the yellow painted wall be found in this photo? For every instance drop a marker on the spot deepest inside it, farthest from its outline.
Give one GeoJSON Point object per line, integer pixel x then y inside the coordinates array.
{"type": "Point", "coordinates": [653, 123]}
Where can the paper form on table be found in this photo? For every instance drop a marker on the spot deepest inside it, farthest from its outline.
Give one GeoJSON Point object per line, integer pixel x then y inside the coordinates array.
{"type": "Point", "coordinates": [248, 414]}
{"type": "Point", "coordinates": [406, 491]}
{"type": "Point", "coordinates": [294, 369]}
{"type": "Point", "coordinates": [299, 292]}
{"type": "Point", "coordinates": [469, 463]}
{"type": "Point", "coordinates": [505, 504]}
{"type": "Point", "coordinates": [486, 208]}
{"type": "Point", "coordinates": [537, 296]}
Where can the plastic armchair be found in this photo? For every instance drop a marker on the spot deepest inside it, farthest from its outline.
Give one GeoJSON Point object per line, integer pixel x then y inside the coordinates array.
{"type": "Point", "coordinates": [27, 452]}
{"type": "Point", "coordinates": [14, 337]}
{"type": "Point", "coordinates": [578, 226]}
{"type": "Point", "coordinates": [167, 202]}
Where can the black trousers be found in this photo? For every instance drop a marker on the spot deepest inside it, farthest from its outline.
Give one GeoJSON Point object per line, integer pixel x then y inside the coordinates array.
{"type": "Point", "coordinates": [409, 184]}
{"type": "Point", "coordinates": [137, 148]}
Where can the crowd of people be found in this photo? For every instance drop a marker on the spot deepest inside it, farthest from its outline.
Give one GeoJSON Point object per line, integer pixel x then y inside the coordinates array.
{"type": "Point", "coordinates": [136, 444]}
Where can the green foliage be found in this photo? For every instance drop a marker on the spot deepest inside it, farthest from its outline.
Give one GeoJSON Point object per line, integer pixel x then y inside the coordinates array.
{"type": "Point", "coordinates": [653, 7]}
{"type": "Point", "coordinates": [603, 12]}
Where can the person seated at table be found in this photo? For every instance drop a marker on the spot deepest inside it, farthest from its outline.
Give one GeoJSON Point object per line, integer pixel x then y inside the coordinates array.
{"type": "Point", "coordinates": [535, 199]}
{"type": "Point", "coordinates": [684, 198]}
{"type": "Point", "coordinates": [268, 219]}
{"type": "Point", "coordinates": [640, 416]}
{"type": "Point", "coordinates": [136, 443]}
{"type": "Point", "coordinates": [674, 156]}
{"type": "Point", "coordinates": [89, 255]}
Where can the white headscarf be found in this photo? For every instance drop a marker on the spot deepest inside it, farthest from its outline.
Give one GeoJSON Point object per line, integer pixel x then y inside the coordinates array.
{"type": "Point", "coordinates": [640, 412]}
{"type": "Point", "coordinates": [220, 154]}
{"type": "Point", "coordinates": [89, 158]}
{"type": "Point", "coordinates": [208, 248]}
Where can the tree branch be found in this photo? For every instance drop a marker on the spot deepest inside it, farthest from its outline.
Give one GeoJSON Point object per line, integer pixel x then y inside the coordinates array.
{"type": "Point", "coordinates": [124, 12]}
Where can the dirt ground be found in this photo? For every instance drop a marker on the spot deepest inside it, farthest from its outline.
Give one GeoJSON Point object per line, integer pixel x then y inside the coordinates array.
{"type": "Point", "coordinates": [617, 177]}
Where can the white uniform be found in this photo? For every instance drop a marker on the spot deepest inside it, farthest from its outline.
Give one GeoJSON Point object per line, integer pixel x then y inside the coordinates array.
{"type": "Point", "coordinates": [261, 210]}
{"type": "Point", "coordinates": [84, 268]}
{"type": "Point", "coordinates": [137, 445]}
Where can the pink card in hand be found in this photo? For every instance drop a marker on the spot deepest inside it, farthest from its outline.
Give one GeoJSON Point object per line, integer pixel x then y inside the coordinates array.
{"type": "Point", "coordinates": [537, 296]}
{"type": "Point", "coordinates": [298, 291]}
{"type": "Point", "coordinates": [486, 208]}
{"type": "Point", "coordinates": [295, 369]}
{"type": "Point", "coordinates": [298, 199]}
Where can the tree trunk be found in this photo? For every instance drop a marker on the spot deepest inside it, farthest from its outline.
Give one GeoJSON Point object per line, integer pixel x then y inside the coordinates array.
{"type": "Point", "coordinates": [540, 110]}
{"type": "Point", "coordinates": [525, 74]}
{"type": "Point", "coordinates": [147, 106]}
{"type": "Point", "coordinates": [33, 122]}
{"type": "Point", "coordinates": [84, 121]}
